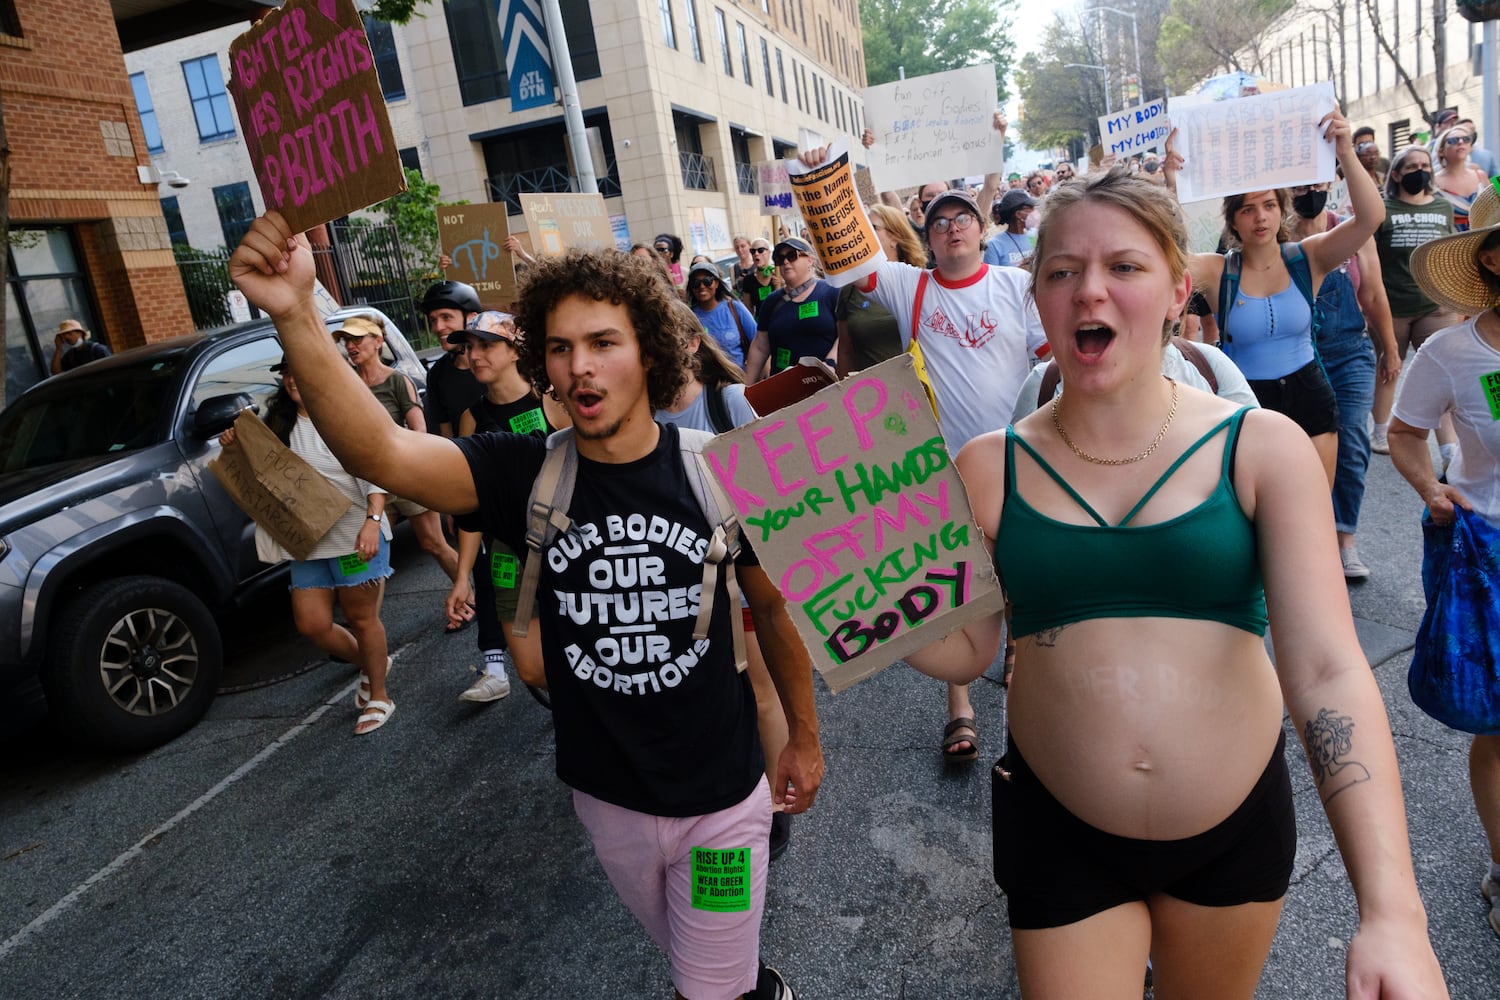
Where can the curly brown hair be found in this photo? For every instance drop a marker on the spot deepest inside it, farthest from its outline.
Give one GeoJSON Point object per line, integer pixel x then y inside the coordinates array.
{"type": "Point", "coordinates": [663, 327]}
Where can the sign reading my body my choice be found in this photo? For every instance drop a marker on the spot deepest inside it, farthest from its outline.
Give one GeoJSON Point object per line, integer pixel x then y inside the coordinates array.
{"type": "Point", "coordinates": [856, 512]}
{"type": "Point", "coordinates": [309, 103]}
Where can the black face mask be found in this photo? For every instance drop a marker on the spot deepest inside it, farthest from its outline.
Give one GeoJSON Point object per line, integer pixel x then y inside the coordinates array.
{"type": "Point", "coordinates": [1308, 205]}
{"type": "Point", "coordinates": [1416, 181]}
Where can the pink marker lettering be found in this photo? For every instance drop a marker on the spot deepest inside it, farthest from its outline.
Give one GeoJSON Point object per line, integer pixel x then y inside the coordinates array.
{"type": "Point", "coordinates": [771, 455]}
{"type": "Point", "coordinates": [744, 501]}
{"type": "Point", "coordinates": [906, 507]}
{"type": "Point", "coordinates": [843, 537]}
{"type": "Point", "coordinates": [811, 437]}
{"type": "Point", "coordinates": [862, 418]}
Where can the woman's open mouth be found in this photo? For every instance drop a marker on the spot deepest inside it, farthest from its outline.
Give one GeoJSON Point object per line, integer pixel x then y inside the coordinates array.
{"type": "Point", "coordinates": [1092, 339]}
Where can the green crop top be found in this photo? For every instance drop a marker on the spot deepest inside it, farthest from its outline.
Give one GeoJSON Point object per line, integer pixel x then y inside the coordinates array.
{"type": "Point", "coordinates": [1201, 564]}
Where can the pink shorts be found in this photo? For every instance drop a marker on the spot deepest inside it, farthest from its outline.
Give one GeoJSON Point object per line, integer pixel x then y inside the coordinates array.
{"type": "Point", "coordinates": [650, 861]}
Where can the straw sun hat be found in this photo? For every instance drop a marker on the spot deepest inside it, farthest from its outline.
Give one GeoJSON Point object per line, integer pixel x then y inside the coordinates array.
{"type": "Point", "coordinates": [1446, 267]}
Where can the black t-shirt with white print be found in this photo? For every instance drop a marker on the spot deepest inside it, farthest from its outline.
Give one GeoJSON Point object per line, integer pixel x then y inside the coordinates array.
{"type": "Point", "coordinates": [646, 718]}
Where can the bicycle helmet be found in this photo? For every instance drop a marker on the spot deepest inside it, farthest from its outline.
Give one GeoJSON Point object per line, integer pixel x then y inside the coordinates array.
{"type": "Point", "coordinates": [451, 295]}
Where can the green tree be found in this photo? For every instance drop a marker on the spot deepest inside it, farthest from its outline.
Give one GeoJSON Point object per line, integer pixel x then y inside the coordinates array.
{"type": "Point", "coordinates": [929, 36]}
{"type": "Point", "coordinates": [1199, 38]}
{"type": "Point", "coordinates": [1061, 102]}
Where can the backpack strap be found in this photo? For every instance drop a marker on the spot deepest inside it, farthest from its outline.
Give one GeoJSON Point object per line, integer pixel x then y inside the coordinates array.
{"type": "Point", "coordinates": [739, 325]}
{"type": "Point", "coordinates": [1296, 263]}
{"type": "Point", "coordinates": [723, 543]}
{"type": "Point", "coordinates": [1229, 287]}
{"type": "Point", "coordinates": [916, 302]}
{"type": "Point", "coordinates": [546, 517]}
{"type": "Point", "coordinates": [718, 409]}
{"type": "Point", "coordinates": [1195, 356]}
{"type": "Point", "coordinates": [1051, 377]}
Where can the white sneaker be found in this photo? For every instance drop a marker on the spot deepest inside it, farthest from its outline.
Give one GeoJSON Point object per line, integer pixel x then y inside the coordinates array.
{"type": "Point", "coordinates": [1380, 441]}
{"type": "Point", "coordinates": [487, 687]}
{"type": "Point", "coordinates": [1354, 566]}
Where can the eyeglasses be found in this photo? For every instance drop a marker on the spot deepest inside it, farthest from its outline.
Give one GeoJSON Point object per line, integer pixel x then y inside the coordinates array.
{"type": "Point", "coordinates": [703, 282]}
{"type": "Point", "coordinates": [962, 222]}
{"type": "Point", "coordinates": [785, 258]}
{"type": "Point", "coordinates": [1456, 140]}
{"type": "Point", "coordinates": [663, 249]}
{"type": "Point", "coordinates": [757, 251]}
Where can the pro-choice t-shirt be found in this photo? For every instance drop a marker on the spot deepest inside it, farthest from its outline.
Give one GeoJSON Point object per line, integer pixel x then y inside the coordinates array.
{"type": "Point", "coordinates": [646, 717]}
{"type": "Point", "coordinates": [1405, 228]}
{"type": "Point", "coordinates": [978, 337]}
{"type": "Point", "coordinates": [800, 329]}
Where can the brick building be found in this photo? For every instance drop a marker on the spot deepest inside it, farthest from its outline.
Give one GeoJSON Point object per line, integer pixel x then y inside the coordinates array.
{"type": "Point", "coordinates": [88, 240]}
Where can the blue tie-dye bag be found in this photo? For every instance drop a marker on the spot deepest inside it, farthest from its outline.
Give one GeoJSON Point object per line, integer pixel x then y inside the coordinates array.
{"type": "Point", "coordinates": [1455, 667]}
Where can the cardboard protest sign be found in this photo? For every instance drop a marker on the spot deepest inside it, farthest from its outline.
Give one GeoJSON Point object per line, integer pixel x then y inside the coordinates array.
{"type": "Point", "coordinates": [933, 127]}
{"type": "Point", "coordinates": [561, 222]}
{"type": "Point", "coordinates": [856, 513]}
{"type": "Point", "coordinates": [474, 237]}
{"type": "Point", "coordinates": [310, 107]}
{"type": "Point", "coordinates": [1253, 143]}
{"type": "Point", "coordinates": [276, 488]}
{"type": "Point", "coordinates": [774, 186]}
{"type": "Point", "coordinates": [1135, 130]}
{"type": "Point", "coordinates": [847, 247]}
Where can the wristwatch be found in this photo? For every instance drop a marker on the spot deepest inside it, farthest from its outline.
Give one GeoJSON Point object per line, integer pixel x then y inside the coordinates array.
{"type": "Point", "coordinates": [375, 517]}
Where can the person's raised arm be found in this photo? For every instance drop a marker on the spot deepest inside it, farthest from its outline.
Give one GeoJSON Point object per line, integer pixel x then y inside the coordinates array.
{"type": "Point", "coordinates": [1335, 706]}
{"type": "Point", "coordinates": [274, 268]}
{"type": "Point", "coordinates": [799, 772]}
{"type": "Point", "coordinates": [1376, 308]}
{"type": "Point", "coordinates": [891, 198]}
{"type": "Point", "coordinates": [993, 180]}
{"type": "Point", "coordinates": [1328, 250]}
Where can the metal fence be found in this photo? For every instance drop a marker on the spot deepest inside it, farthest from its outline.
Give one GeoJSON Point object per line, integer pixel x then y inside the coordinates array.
{"type": "Point", "coordinates": [205, 279]}
{"type": "Point", "coordinates": [745, 172]}
{"type": "Point", "coordinates": [552, 179]}
{"type": "Point", "coordinates": [698, 172]}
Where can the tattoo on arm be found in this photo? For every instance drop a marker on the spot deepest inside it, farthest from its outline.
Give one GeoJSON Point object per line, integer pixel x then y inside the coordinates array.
{"type": "Point", "coordinates": [1048, 637]}
{"type": "Point", "coordinates": [1330, 739]}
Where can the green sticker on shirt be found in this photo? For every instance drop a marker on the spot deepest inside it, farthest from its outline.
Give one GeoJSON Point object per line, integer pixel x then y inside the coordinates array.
{"type": "Point", "coordinates": [1491, 385]}
{"type": "Point", "coordinates": [783, 357]}
{"type": "Point", "coordinates": [807, 310]}
{"type": "Point", "coordinates": [352, 564]}
{"type": "Point", "coordinates": [503, 568]}
{"type": "Point", "coordinates": [530, 422]}
{"type": "Point", "coordinates": [764, 291]}
{"type": "Point", "coordinates": [721, 880]}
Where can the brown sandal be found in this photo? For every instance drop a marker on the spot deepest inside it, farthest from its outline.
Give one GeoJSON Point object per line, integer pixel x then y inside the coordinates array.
{"type": "Point", "coordinates": [953, 735]}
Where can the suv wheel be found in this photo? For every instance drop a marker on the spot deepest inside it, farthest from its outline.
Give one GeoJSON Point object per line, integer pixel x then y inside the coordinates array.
{"type": "Point", "coordinates": [135, 662]}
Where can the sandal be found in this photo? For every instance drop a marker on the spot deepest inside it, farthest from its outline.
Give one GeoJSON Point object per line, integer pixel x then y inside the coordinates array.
{"type": "Point", "coordinates": [954, 734]}
{"type": "Point", "coordinates": [362, 696]}
{"type": "Point", "coordinates": [374, 716]}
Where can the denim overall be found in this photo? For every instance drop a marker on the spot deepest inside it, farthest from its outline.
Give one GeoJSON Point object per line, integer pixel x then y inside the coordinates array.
{"type": "Point", "coordinates": [1349, 358]}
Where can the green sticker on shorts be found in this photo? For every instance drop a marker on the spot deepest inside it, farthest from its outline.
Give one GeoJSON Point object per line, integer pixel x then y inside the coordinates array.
{"type": "Point", "coordinates": [530, 422]}
{"type": "Point", "coordinates": [764, 291]}
{"type": "Point", "coordinates": [721, 880]}
{"type": "Point", "coordinates": [1491, 385]}
{"type": "Point", "coordinates": [503, 568]}
{"type": "Point", "coordinates": [807, 310]}
{"type": "Point", "coordinates": [352, 564]}
{"type": "Point", "coordinates": [783, 357]}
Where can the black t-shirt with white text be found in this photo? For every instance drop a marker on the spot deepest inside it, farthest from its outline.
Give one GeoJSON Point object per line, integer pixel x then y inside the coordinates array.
{"type": "Point", "coordinates": [647, 718]}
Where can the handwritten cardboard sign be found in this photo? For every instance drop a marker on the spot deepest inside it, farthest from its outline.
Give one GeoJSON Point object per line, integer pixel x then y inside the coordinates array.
{"type": "Point", "coordinates": [1135, 130]}
{"type": "Point", "coordinates": [716, 228]}
{"type": "Point", "coordinates": [474, 237]}
{"type": "Point", "coordinates": [847, 247]}
{"type": "Point", "coordinates": [559, 222]}
{"type": "Point", "coordinates": [933, 127]}
{"type": "Point", "coordinates": [774, 186]}
{"type": "Point", "coordinates": [1253, 143]}
{"type": "Point", "coordinates": [276, 488]}
{"type": "Point", "coordinates": [856, 512]}
{"type": "Point", "coordinates": [310, 107]}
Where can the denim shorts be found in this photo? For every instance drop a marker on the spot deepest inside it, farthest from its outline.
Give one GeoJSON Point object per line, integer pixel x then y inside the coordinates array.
{"type": "Point", "coordinates": [342, 571]}
{"type": "Point", "coordinates": [1305, 395]}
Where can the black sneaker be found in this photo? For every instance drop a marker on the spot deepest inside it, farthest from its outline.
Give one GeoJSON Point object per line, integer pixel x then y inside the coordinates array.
{"type": "Point", "coordinates": [771, 985]}
{"type": "Point", "coordinates": [781, 834]}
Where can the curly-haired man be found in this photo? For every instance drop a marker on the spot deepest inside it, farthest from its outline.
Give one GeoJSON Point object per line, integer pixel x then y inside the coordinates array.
{"type": "Point", "coordinates": [655, 732]}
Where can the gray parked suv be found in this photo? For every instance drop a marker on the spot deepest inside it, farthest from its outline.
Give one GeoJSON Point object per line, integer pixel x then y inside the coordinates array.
{"type": "Point", "coordinates": [117, 547]}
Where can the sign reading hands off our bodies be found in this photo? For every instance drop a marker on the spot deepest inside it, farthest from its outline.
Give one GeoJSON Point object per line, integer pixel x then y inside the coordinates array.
{"type": "Point", "coordinates": [932, 127]}
{"type": "Point", "coordinates": [308, 98]}
{"type": "Point", "coordinates": [855, 511]}
{"type": "Point", "coordinates": [1253, 143]}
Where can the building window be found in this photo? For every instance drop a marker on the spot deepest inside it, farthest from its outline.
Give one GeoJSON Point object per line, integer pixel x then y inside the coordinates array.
{"type": "Point", "coordinates": [533, 159]}
{"type": "Point", "coordinates": [695, 38]}
{"type": "Point", "coordinates": [765, 66]}
{"type": "Point", "coordinates": [781, 75]}
{"type": "Point", "coordinates": [176, 231]}
{"type": "Point", "coordinates": [474, 35]}
{"type": "Point", "coordinates": [578, 22]}
{"type": "Point", "coordinates": [410, 160]}
{"type": "Point", "coordinates": [668, 30]}
{"type": "Point", "coordinates": [205, 83]}
{"type": "Point", "coordinates": [9, 23]}
{"type": "Point", "coordinates": [739, 28]}
{"type": "Point", "coordinates": [802, 9]}
{"type": "Point", "coordinates": [236, 211]}
{"type": "Point", "coordinates": [387, 66]}
{"type": "Point", "coordinates": [724, 41]}
{"type": "Point", "coordinates": [147, 111]}
{"type": "Point", "coordinates": [838, 108]}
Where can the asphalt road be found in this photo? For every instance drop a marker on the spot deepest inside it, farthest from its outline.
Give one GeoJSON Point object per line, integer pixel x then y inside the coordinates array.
{"type": "Point", "coordinates": [270, 853]}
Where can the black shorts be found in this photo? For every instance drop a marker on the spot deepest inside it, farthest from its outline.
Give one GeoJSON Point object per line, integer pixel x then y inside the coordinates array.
{"type": "Point", "coordinates": [1056, 869]}
{"type": "Point", "coordinates": [1305, 395]}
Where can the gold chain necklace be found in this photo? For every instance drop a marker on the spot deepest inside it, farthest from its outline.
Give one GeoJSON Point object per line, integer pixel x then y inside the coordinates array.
{"type": "Point", "coordinates": [1057, 422]}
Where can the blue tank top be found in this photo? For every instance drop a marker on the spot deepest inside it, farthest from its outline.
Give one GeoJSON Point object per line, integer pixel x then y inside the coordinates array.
{"type": "Point", "coordinates": [1202, 564]}
{"type": "Point", "coordinates": [1271, 337]}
